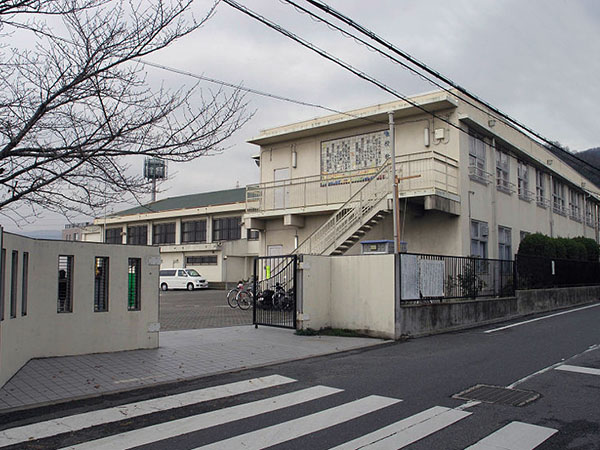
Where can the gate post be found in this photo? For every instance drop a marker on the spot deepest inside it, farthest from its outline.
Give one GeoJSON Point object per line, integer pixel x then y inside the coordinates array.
{"type": "Point", "coordinates": [254, 292]}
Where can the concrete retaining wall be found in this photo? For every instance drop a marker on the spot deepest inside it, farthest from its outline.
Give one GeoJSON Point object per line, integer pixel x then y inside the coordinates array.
{"type": "Point", "coordinates": [354, 292]}
{"type": "Point", "coordinates": [422, 320]}
{"type": "Point", "coordinates": [41, 331]}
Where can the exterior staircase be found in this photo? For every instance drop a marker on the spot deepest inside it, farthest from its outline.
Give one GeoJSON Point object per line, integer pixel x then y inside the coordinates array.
{"type": "Point", "coordinates": [363, 230]}
{"type": "Point", "coordinates": [367, 207]}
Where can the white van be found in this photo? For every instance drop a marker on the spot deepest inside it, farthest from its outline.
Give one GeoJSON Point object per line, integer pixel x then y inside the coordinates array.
{"type": "Point", "coordinates": [181, 279]}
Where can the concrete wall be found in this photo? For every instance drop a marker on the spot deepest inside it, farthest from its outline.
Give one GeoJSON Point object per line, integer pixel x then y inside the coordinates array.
{"type": "Point", "coordinates": [43, 332]}
{"type": "Point", "coordinates": [354, 292]}
{"type": "Point", "coordinates": [422, 320]}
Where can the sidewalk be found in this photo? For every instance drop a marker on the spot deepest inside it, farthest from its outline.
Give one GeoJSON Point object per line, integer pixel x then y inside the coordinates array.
{"type": "Point", "coordinates": [182, 355]}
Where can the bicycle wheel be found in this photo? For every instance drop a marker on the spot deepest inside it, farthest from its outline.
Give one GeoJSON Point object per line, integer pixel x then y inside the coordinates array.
{"type": "Point", "coordinates": [231, 298]}
{"type": "Point", "coordinates": [244, 299]}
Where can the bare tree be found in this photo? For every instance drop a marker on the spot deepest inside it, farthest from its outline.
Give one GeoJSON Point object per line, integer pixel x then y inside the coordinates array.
{"type": "Point", "coordinates": [74, 102]}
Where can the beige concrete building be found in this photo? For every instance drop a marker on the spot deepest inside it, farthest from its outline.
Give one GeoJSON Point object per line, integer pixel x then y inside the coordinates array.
{"type": "Point", "coordinates": [203, 231]}
{"type": "Point", "coordinates": [469, 183]}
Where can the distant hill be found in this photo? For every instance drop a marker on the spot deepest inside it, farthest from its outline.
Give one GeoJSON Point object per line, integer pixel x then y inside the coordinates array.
{"type": "Point", "coordinates": [587, 162]}
{"type": "Point", "coordinates": [591, 155]}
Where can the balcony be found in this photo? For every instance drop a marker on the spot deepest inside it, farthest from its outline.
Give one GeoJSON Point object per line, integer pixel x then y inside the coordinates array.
{"type": "Point", "coordinates": [421, 174]}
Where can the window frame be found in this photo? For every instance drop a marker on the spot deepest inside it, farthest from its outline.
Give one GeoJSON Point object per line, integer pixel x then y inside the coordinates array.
{"type": "Point", "coordinates": [503, 183]}
{"type": "Point", "coordinates": [477, 157]}
{"type": "Point", "coordinates": [162, 234]}
{"type": "Point", "coordinates": [558, 197]}
{"type": "Point", "coordinates": [135, 238]}
{"type": "Point", "coordinates": [101, 283]}
{"type": "Point", "coordinates": [201, 260]}
{"type": "Point", "coordinates": [232, 231]}
{"type": "Point", "coordinates": [68, 284]}
{"type": "Point", "coordinates": [197, 233]}
{"type": "Point", "coordinates": [540, 188]}
{"type": "Point", "coordinates": [504, 243]}
{"type": "Point", "coordinates": [113, 235]}
{"type": "Point", "coordinates": [134, 272]}
{"type": "Point", "coordinates": [480, 238]}
{"type": "Point", "coordinates": [523, 181]}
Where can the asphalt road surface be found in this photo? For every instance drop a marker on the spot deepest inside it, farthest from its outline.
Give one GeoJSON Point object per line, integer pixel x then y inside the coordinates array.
{"type": "Point", "coordinates": [400, 395]}
{"type": "Point", "coordinates": [203, 308]}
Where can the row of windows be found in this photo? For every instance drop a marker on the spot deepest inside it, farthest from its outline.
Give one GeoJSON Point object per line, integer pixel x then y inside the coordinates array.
{"type": "Point", "coordinates": [101, 283]}
{"type": "Point", "coordinates": [224, 229]}
{"type": "Point", "coordinates": [479, 240]}
{"type": "Point", "coordinates": [14, 282]}
{"type": "Point", "coordinates": [208, 260]}
{"type": "Point", "coordinates": [559, 201]}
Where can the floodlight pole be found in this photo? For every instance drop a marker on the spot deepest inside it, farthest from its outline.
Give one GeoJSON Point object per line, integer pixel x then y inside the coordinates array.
{"type": "Point", "coordinates": [154, 188]}
{"type": "Point", "coordinates": [394, 181]}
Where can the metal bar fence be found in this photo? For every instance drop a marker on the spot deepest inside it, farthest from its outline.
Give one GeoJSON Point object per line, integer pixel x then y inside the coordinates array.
{"type": "Point", "coordinates": [538, 272]}
{"type": "Point", "coordinates": [274, 291]}
{"type": "Point", "coordinates": [440, 277]}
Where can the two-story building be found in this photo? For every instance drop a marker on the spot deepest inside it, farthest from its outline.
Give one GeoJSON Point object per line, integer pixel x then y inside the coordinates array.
{"type": "Point", "coordinates": [469, 184]}
{"type": "Point", "coordinates": [203, 231]}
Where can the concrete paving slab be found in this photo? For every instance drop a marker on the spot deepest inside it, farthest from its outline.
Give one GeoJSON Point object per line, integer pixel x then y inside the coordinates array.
{"type": "Point", "coordinates": [182, 355]}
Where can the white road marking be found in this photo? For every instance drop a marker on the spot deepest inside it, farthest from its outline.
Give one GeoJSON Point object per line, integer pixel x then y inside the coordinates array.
{"type": "Point", "coordinates": [302, 426]}
{"type": "Point", "coordinates": [541, 318]}
{"type": "Point", "coordinates": [579, 369]}
{"type": "Point", "coordinates": [591, 348]}
{"type": "Point", "coordinates": [77, 422]}
{"type": "Point", "coordinates": [515, 436]}
{"type": "Point", "coordinates": [407, 431]}
{"type": "Point", "coordinates": [166, 430]}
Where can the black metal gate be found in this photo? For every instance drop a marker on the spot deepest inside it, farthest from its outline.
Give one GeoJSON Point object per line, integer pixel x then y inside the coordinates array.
{"type": "Point", "coordinates": [275, 291]}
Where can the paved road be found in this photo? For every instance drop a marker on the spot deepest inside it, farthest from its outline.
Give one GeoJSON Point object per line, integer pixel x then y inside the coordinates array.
{"type": "Point", "coordinates": [389, 397]}
{"type": "Point", "coordinates": [206, 308]}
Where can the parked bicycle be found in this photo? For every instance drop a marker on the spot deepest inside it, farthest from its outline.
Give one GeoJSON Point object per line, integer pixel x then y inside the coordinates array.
{"type": "Point", "coordinates": [242, 295]}
{"type": "Point", "coordinates": [233, 293]}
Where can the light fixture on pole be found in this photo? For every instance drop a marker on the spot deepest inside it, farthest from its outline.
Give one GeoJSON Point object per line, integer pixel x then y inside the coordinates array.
{"type": "Point", "coordinates": [155, 169]}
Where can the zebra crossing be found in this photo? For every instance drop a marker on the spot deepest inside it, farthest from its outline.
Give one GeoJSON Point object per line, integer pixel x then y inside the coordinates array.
{"type": "Point", "coordinates": [401, 433]}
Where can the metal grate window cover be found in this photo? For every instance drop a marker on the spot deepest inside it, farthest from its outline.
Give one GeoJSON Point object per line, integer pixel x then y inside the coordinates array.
{"type": "Point", "coordinates": [498, 395]}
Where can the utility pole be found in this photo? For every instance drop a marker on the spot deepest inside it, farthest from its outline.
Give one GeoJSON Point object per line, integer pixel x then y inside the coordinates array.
{"type": "Point", "coordinates": [395, 182]}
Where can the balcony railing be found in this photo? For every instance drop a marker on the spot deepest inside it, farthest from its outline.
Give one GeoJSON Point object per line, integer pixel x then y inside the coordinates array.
{"type": "Point", "coordinates": [420, 173]}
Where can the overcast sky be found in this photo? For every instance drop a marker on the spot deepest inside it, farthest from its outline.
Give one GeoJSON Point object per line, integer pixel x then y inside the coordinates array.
{"type": "Point", "coordinates": [536, 60]}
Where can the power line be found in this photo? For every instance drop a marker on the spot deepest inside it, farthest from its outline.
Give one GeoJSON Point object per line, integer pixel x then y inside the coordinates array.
{"type": "Point", "coordinates": [345, 19]}
{"type": "Point", "coordinates": [255, 91]}
{"type": "Point", "coordinates": [343, 64]}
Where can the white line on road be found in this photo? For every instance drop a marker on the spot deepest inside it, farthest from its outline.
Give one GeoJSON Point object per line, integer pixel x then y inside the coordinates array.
{"type": "Point", "coordinates": [540, 318]}
{"type": "Point", "coordinates": [591, 348]}
{"type": "Point", "coordinates": [407, 431]}
{"type": "Point", "coordinates": [302, 426]}
{"type": "Point", "coordinates": [77, 422]}
{"type": "Point", "coordinates": [515, 436]}
{"type": "Point", "coordinates": [579, 369]}
{"type": "Point", "coordinates": [166, 430]}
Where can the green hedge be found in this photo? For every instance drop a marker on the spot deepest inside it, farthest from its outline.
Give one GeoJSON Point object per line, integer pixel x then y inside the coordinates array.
{"type": "Point", "coordinates": [578, 249]}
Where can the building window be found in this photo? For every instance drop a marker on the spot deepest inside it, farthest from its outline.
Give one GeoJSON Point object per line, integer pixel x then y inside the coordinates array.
{"type": "Point", "coordinates": [101, 284]}
{"type": "Point", "coordinates": [503, 171]}
{"type": "Point", "coordinates": [477, 157]}
{"type": "Point", "coordinates": [208, 260]}
{"type": "Point", "coordinates": [227, 229]}
{"type": "Point", "coordinates": [558, 197]}
{"type": "Point", "coordinates": [163, 233]}
{"type": "Point", "coordinates": [14, 268]}
{"type": "Point", "coordinates": [2, 282]}
{"type": "Point", "coordinates": [134, 283]}
{"type": "Point", "coordinates": [65, 284]}
{"type": "Point", "coordinates": [540, 188]}
{"type": "Point", "coordinates": [574, 205]}
{"type": "Point", "coordinates": [24, 283]}
{"type": "Point", "coordinates": [479, 239]}
{"type": "Point", "coordinates": [523, 181]}
{"type": "Point", "coordinates": [504, 243]}
{"type": "Point", "coordinates": [113, 236]}
{"type": "Point", "coordinates": [589, 213]}
{"type": "Point", "coordinates": [253, 235]}
{"type": "Point", "coordinates": [193, 231]}
{"type": "Point", "coordinates": [137, 235]}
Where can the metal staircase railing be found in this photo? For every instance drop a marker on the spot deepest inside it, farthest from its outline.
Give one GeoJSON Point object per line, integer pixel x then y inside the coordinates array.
{"type": "Point", "coordinates": [360, 207]}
